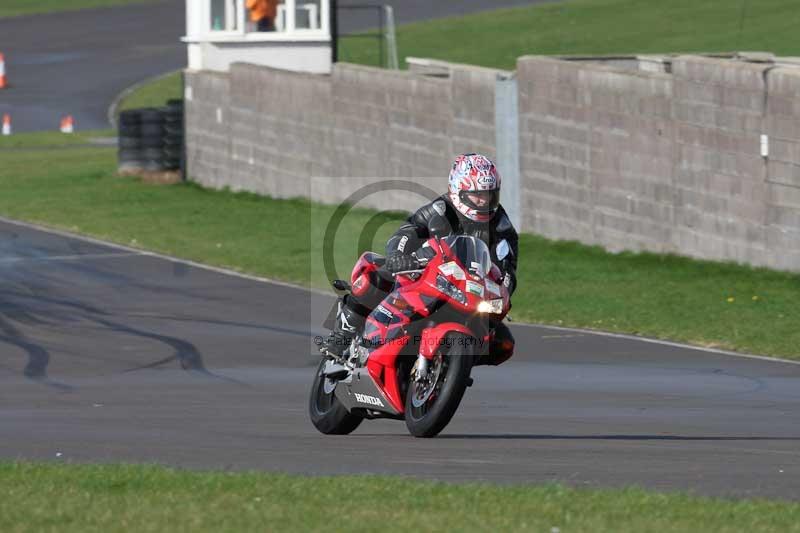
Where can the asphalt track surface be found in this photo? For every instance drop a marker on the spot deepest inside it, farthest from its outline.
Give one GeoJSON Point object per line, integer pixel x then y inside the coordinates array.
{"type": "Point", "coordinates": [112, 355]}
{"type": "Point", "coordinates": [77, 62]}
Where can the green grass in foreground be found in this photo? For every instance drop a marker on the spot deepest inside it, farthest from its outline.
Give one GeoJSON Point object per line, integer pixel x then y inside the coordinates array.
{"type": "Point", "coordinates": [49, 497]}
{"type": "Point", "coordinates": [13, 8]}
{"type": "Point", "coordinates": [155, 93]}
{"type": "Point", "coordinates": [498, 38]}
{"type": "Point", "coordinates": [705, 303]}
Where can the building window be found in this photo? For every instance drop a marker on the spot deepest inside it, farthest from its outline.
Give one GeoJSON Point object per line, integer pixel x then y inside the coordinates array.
{"type": "Point", "coordinates": [307, 16]}
{"type": "Point", "coordinates": [224, 15]}
{"type": "Point", "coordinates": [262, 15]}
{"type": "Point", "coordinates": [231, 18]}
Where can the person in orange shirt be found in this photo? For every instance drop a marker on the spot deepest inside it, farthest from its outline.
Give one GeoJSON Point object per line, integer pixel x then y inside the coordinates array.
{"type": "Point", "coordinates": [263, 12]}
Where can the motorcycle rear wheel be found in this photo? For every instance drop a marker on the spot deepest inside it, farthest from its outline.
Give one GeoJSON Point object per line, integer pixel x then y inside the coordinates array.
{"type": "Point", "coordinates": [427, 412]}
{"type": "Point", "coordinates": [327, 413]}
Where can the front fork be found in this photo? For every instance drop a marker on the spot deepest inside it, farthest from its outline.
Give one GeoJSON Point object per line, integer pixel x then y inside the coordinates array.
{"type": "Point", "coordinates": [420, 370]}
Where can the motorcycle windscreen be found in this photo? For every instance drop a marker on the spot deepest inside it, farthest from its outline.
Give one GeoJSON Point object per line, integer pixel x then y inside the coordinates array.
{"type": "Point", "coordinates": [471, 252]}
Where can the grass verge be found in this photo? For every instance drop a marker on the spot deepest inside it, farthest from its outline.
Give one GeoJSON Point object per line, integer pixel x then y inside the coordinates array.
{"type": "Point", "coordinates": [498, 38]}
{"type": "Point", "coordinates": [562, 283]}
{"type": "Point", "coordinates": [51, 139]}
{"type": "Point", "coordinates": [14, 8]}
{"type": "Point", "coordinates": [50, 497]}
{"type": "Point", "coordinates": [155, 93]}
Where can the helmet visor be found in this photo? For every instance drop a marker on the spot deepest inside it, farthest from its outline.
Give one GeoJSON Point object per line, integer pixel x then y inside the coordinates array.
{"type": "Point", "coordinates": [481, 201]}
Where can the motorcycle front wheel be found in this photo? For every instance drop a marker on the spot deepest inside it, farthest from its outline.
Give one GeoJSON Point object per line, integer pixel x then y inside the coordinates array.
{"type": "Point", "coordinates": [432, 402]}
{"type": "Point", "coordinates": [327, 413]}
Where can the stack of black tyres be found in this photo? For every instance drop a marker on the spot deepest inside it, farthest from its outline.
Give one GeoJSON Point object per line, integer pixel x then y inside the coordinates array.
{"type": "Point", "coordinates": [173, 134]}
{"type": "Point", "coordinates": [151, 139]}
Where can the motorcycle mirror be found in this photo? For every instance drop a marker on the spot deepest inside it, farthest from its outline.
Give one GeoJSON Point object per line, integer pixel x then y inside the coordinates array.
{"type": "Point", "coordinates": [502, 250]}
{"type": "Point", "coordinates": [425, 253]}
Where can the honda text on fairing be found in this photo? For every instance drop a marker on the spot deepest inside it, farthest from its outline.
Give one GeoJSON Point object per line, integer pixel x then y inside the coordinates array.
{"type": "Point", "coordinates": [414, 357]}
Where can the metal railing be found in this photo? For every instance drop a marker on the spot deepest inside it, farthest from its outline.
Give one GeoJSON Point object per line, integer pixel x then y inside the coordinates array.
{"type": "Point", "coordinates": [385, 36]}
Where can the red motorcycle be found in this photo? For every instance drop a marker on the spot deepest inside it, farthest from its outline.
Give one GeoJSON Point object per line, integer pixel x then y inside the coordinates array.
{"type": "Point", "coordinates": [414, 358]}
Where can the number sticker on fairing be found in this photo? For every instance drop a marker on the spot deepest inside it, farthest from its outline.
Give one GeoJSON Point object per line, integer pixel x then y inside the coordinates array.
{"type": "Point", "coordinates": [493, 287]}
{"type": "Point", "coordinates": [452, 269]}
{"type": "Point", "coordinates": [475, 288]}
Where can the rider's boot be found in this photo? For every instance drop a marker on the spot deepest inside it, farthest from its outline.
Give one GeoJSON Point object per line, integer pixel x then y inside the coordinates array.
{"type": "Point", "coordinates": [348, 323]}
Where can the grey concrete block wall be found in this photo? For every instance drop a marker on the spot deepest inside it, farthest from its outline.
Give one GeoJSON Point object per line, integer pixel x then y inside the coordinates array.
{"type": "Point", "coordinates": [720, 176]}
{"type": "Point", "coordinates": [782, 125]}
{"type": "Point", "coordinates": [554, 150]}
{"type": "Point", "coordinates": [207, 136]}
{"type": "Point", "coordinates": [638, 160]}
{"type": "Point", "coordinates": [659, 154]}
{"type": "Point", "coordinates": [356, 127]}
{"type": "Point", "coordinates": [596, 153]}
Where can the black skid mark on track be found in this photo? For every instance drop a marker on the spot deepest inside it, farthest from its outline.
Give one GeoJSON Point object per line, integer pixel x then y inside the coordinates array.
{"type": "Point", "coordinates": [59, 311]}
{"type": "Point", "coordinates": [264, 327]}
{"type": "Point", "coordinates": [186, 353]}
{"type": "Point", "coordinates": [38, 356]}
{"type": "Point", "coordinates": [95, 273]}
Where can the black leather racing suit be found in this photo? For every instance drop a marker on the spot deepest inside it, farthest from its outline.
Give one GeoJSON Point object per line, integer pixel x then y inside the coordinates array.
{"type": "Point", "coordinates": [439, 219]}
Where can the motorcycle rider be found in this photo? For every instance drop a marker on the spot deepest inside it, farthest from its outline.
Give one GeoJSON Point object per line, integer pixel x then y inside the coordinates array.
{"type": "Point", "coordinates": [470, 207]}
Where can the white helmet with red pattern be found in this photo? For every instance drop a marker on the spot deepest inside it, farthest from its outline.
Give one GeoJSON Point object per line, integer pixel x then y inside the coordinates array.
{"type": "Point", "coordinates": [475, 187]}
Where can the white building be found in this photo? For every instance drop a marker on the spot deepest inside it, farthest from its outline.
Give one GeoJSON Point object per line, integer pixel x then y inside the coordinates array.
{"type": "Point", "coordinates": [221, 32]}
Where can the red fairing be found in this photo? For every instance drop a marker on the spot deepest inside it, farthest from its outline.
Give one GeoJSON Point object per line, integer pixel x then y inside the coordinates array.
{"type": "Point", "coordinates": [385, 332]}
{"type": "Point", "coordinates": [385, 375]}
{"type": "Point", "coordinates": [364, 266]}
{"type": "Point", "coordinates": [381, 366]}
{"type": "Point", "coordinates": [431, 338]}
{"type": "Point", "coordinates": [360, 284]}
{"type": "Point", "coordinates": [446, 281]}
{"type": "Point", "coordinates": [496, 274]}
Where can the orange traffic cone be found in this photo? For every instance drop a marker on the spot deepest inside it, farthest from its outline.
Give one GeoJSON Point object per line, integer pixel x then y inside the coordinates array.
{"type": "Point", "coordinates": [67, 124]}
{"type": "Point", "coordinates": [6, 124]}
{"type": "Point", "coordinates": [2, 71]}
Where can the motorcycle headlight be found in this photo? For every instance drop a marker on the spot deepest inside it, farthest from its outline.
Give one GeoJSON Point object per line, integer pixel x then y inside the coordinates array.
{"type": "Point", "coordinates": [494, 307]}
{"type": "Point", "coordinates": [451, 290]}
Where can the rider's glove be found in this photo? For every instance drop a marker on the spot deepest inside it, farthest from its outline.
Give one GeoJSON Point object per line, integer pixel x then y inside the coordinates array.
{"type": "Point", "coordinates": [401, 263]}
